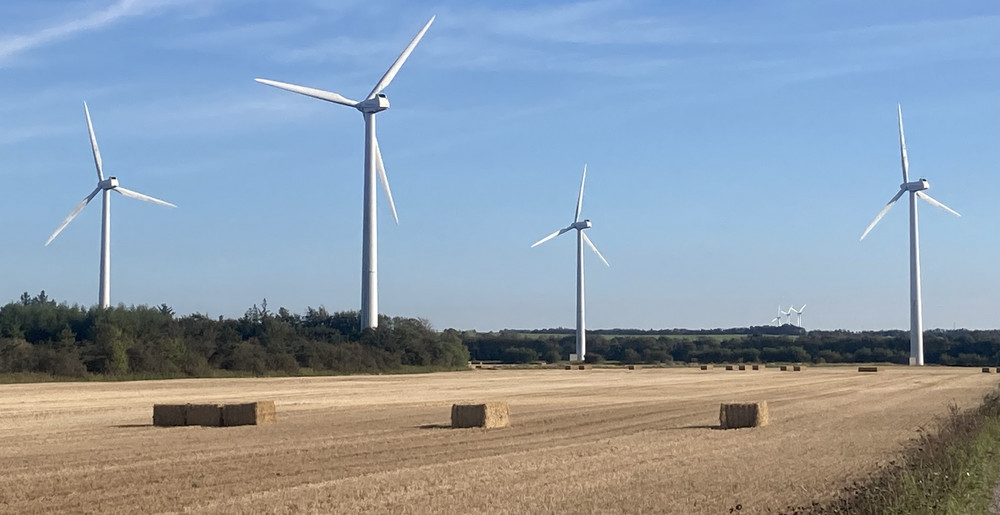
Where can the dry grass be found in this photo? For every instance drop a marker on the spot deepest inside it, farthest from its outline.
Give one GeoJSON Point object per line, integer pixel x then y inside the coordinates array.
{"type": "Point", "coordinates": [606, 441]}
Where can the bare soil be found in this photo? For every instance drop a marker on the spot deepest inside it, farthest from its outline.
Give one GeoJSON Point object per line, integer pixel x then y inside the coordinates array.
{"type": "Point", "coordinates": [580, 441]}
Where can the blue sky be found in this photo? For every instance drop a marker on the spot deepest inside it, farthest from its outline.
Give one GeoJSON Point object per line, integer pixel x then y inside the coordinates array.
{"type": "Point", "coordinates": [736, 152]}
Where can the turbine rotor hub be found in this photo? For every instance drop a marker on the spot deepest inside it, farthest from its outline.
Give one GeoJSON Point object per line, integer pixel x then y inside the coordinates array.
{"type": "Point", "coordinates": [373, 105]}
{"type": "Point", "coordinates": [109, 183]}
{"type": "Point", "coordinates": [920, 185]}
{"type": "Point", "coordinates": [584, 224]}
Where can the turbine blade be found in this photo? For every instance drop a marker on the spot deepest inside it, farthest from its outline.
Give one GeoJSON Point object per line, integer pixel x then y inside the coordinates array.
{"type": "Point", "coordinates": [76, 210]}
{"type": "Point", "coordinates": [902, 145]}
{"type": "Point", "coordinates": [549, 237]}
{"type": "Point", "coordinates": [391, 72]}
{"type": "Point", "coordinates": [140, 196]}
{"type": "Point", "coordinates": [882, 213]}
{"type": "Point", "coordinates": [380, 168]}
{"type": "Point", "coordinates": [579, 200]}
{"type": "Point", "coordinates": [936, 204]}
{"type": "Point", "coordinates": [93, 145]}
{"type": "Point", "coordinates": [592, 247]}
{"type": "Point", "coordinates": [775, 319]}
{"type": "Point", "coordinates": [803, 308]}
{"type": "Point", "coordinates": [329, 96]}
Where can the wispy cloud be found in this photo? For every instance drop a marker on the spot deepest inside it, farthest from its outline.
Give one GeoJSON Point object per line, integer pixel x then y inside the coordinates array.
{"type": "Point", "coordinates": [13, 46]}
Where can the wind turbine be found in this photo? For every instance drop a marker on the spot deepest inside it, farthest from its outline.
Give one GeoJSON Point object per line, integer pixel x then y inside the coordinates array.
{"type": "Point", "coordinates": [106, 186]}
{"type": "Point", "coordinates": [777, 319]}
{"type": "Point", "coordinates": [915, 189]}
{"type": "Point", "coordinates": [375, 102]}
{"type": "Point", "coordinates": [581, 238]}
{"type": "Point", "coordinates": [798, 314]}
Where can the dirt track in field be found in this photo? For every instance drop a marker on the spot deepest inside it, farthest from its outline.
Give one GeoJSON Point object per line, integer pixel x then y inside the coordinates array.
{"type": "Point", "coordinates": [596, 441]}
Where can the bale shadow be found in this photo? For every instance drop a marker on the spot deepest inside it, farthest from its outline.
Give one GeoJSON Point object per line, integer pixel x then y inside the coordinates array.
{"type": "Point", "coordinates": [434, 426]}
{"type": "Point", "coordinates": [715, 427]}
{"type": "Point", "coordinates": [127, 426]}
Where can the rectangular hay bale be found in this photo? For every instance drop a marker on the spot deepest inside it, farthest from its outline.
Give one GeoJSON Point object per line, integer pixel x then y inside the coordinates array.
{"type": "Point", "coordinates": [986, 370]}
{"type": "Point", "coordinates": [569, 367]}
{"type": "Point", "coordinates": [784, 368]}
{"type": "Point", "coordinates": [249, 414]}
{"type": "Point", "coordinates": [742, 367]}
{"type": "Point", "coordinates": [743, 414]}
{"type": "Point", "coordinates": [584, 367]}
{"type": "Point", "coordinates": [729, 367]}
{"type": "Point", "coordinates": [706, 367]}
{"type": "Point", "coordinates": [798, 368]}
{"type": "Point", "coordinates": [867, 369]}
{"type": "Point", "coordinates": [204, 415]}
{"type": "Point", "coordinates": [168, 415]}
{"type": "Point", "coordinates": [487, 415]}
{"type": "Point", "coordinates": [756, 367]}
{"type": "Point", "coordinates": [634, 367]}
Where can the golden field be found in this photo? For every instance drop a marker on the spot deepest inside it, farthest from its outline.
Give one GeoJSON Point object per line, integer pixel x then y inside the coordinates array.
{"type": "Point", "coordinates": [581, 441]}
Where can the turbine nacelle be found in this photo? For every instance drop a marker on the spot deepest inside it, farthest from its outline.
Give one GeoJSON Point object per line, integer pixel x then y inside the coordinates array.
{"type": "Point", "coordinates": [108, 184]}
{"type": "Point", "coordinates": [915, 185]}
{"type": "Point", "coordinates": [585, 224]}
{"type": "Point", "coordinates": [373, 105]}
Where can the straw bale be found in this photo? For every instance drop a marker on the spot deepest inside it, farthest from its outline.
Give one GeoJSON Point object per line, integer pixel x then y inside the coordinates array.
{"type": "Point", "coordinates": [166, 415]}
{"type": "Point", "coordinates": [742, 367]}
{"type": "Point", "coordinates": [785, 368]}
{"type": "Point", "coordinates": [204, 415]}
{"type": "Point", "coordinates": [569, 367]}
{"type": "Point", "coordinates": [634, 367]}
{"type": "Point", "coordinates": [249, 414]}
{"type": "Point", "coordinates": [867, 369]}
{"type": "Point", "coordinates": [798, 368]}
{"type": "Point", "coordinates": [743, 414]}
{"type": "Point", "coordinates": [729, 367]}
{"type": "Point", "coordinates": [986, 370]}
{"type": "Point", "coordinates": [756, 367]}
{"type": "Point", "coordinates": [706, 367]}
{"type": "Point", "coordinates": [488, 415]}
{"type": "Point", "coordinates": [584, 367]}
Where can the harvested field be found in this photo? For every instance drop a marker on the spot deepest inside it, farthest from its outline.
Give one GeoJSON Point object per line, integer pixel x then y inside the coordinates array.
{"type": "Point", "coordinates": [606, 441]}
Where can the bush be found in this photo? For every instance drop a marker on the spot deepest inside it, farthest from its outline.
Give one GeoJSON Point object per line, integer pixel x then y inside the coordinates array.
{"type": "Point", "coordinates": [519, 355]}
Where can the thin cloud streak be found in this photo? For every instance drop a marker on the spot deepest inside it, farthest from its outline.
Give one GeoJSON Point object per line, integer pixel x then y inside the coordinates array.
{"type": "Point", "coordinates": [13, 46]}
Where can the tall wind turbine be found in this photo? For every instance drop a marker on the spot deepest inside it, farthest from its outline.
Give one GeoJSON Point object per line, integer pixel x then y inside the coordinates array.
{"type": "Point", "coordinates": [375, 102]}
{"type": "Point", "coordinates": [106, 186]}
{"type": "Point", "coordinates": [581, 238]}
{"type": "Point", "coordinates": [915, 189]}
{"type": "Point", "coordinates": [798, 314]}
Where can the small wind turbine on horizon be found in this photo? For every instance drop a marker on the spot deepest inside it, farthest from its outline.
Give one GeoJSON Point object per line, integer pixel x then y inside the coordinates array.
{"type": "Point", "coordinates": [915, 189]}
{"type": "Point", "coordinates": [777, 319]}
{"type": "Point", "coordinates": [375, 102]}
{"type": "Point", "coordinates": [798, 314]}
{"type": "Point", "coordinates": [106, 186]}
{"type": "Point", "coordinates": [581, 238]}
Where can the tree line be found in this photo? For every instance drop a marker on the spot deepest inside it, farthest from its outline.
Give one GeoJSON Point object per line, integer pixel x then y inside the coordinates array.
{"type": "Point", "coordinates": [740, 345]}
{"type": "Point", "coordinates": [38, 335]}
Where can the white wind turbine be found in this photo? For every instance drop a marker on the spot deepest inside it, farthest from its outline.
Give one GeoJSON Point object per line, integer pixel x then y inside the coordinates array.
{"type": "Point", "coordinates": [375, 102]}
{"type": "Point", "coordinates": [915, 189]}
{"type": "Point", "coordinates": [798, 314]}
{"type": "Point", "coordinates": [106, 186]}
{"type": "Point", "coordinates": [581, 238]}
{"type": "Point", "coordinates": [786, 314]}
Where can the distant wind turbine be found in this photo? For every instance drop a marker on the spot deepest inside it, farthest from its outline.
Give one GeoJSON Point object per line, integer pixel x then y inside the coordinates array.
{"type": "Point", "coordinates": [798, 314]}
{"type": "Point", "coordinates": [915, 189]}
{"type": "Point", "coordinates": [375, 102]}
{"type": "Point", "coordinates": [106, 186]}
{"type": "Point", "coordinates": [581, 238]}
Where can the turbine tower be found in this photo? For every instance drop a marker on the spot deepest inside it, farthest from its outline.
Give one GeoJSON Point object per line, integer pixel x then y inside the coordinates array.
{"type": "Point", "coordinates": [581, 238]}
{"type": "Point", "coordinates": [375, 102]}
{"type": "Point", "coordinates": [915, 189]}
{"type": "Point", "coordinates": [106, 186]}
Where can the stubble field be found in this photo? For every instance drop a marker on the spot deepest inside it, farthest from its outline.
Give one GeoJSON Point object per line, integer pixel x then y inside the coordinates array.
{"type": "Point", "coordinates": [596, 441]}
